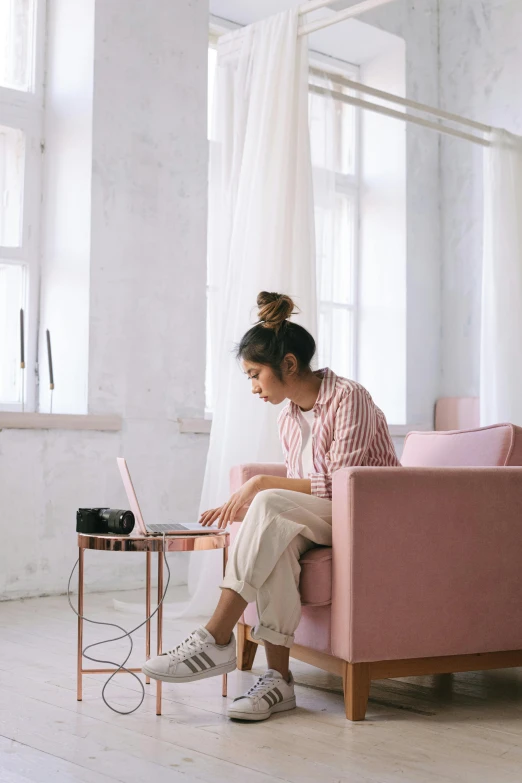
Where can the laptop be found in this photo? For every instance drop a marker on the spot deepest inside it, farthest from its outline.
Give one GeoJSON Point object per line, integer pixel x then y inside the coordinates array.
{"type": "Point", "coordinates": [170, 529]}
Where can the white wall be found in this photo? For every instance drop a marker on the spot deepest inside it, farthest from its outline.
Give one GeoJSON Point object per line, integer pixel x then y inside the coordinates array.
{"type": "Point", "coordinates": [480, 70]}
{"type": "Point", "coordinates": [416, 21]}
{"type": "Point", "coordinates": [147, 306]}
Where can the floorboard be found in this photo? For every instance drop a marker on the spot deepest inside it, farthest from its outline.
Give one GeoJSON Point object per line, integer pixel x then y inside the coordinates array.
{"type": "Point", "coordinates": [445, 729]}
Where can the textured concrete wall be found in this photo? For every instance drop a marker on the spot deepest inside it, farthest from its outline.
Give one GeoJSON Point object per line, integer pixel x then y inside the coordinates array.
{"type": "Point", "coordinates": [480, 69]}
{"type": "Point", "coordinates": [147, 307]}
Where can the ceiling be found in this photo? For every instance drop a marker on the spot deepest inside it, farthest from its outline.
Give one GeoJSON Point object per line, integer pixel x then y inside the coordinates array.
{"type": "Point", "coordinates": [352, 41]}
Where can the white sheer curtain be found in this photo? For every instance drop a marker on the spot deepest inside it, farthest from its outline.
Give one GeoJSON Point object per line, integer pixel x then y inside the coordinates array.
{"type": "Point", "coordinates": [261, 237]}
{"type": "Point", "coordinates": [501, 331]}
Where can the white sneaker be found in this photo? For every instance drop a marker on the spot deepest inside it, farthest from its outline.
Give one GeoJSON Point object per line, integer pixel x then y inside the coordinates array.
{"type": "Point", "coordinates": [197, 657]}
{"type": "Point", "coordinates": [271, 693]}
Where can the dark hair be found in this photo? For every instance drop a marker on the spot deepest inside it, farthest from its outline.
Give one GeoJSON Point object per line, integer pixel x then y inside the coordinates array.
{"type": "Point", "coordinates": [274, 336]}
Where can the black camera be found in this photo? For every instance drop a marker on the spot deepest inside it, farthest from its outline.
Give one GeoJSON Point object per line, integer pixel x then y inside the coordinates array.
{"type": "Point", "coordinates": [101, 521]}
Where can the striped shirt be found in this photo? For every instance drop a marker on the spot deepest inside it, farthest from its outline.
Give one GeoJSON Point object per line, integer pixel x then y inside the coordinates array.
{"type": "Point", "coordinates": [348, 430]}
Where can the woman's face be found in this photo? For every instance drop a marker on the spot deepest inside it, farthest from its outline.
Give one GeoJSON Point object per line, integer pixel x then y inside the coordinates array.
{"type": "Point", "coordinates": [264, 383]}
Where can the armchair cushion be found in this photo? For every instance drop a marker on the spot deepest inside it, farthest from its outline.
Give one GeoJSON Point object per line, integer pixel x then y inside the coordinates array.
{"type": "Point", "coordinates": [315, 584]}
{"type": "Point", "coordinates": [495, 446]}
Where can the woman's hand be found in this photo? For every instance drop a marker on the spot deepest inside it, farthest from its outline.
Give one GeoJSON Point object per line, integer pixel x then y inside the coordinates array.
{"type": "Point", "coordinates": [231, 510]}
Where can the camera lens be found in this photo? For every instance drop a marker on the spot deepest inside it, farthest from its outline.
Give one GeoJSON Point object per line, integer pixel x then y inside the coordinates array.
{"type": "Point", "coordinates": [118, 521]}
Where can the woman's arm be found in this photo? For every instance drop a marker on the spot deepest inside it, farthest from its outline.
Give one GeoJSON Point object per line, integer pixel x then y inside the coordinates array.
{"type": "Point", "coordinates": [277, 482]}
{"type": "Point", "coordinates": [235, 509]}
{"type": "Point", "coordinates": [354, 429]}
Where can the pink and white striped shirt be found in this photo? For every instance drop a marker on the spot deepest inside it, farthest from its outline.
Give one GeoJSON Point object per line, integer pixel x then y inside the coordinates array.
{"type": "Point", "coordinates": [349, 429]}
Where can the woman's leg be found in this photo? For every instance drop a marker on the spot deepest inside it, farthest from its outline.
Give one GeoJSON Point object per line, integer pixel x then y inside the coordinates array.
{"type": "Point", "coordinates": [266, 558]}
{"type": "Point", "coordinates": [283, 580]}
{"type": "Point", "coordinates": [263, 565]}
{"type": "Point", "coordinates": [226, 614]}
{"type": "Point", "coordinates": [278, 658]}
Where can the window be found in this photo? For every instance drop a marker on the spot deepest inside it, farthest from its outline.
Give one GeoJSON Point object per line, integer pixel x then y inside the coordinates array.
{"type": "Point", "coordinates": [21, 115]}
{"type": "Point", "coordinates": [334, 139]}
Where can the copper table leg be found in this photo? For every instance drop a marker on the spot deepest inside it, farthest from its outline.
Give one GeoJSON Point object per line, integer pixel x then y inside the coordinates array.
{"type": "Point", "coordinates": [147, 610]}
{"type": "Point", "coordinates": [80, 626]}
{"type": "Point", "coordinates": [225, 556]}
{"type": "Point", "coordinates": [160, 627]}
{"type": "Point", "coordinates": [112, 543]}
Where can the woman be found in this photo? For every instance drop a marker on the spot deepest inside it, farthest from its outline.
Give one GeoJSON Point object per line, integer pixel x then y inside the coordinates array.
{"type": "Point", "coordinates": [329, 423]}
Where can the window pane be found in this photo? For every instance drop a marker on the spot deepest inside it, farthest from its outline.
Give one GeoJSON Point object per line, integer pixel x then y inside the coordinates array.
{"type": "Point", "coordinates": [342, 342]}
{"type": "Point", "coordinates": [208, 367]}
{"type": "Point", "coordinates": [12, 298]}
{"type": "Point", "coordinates": [332, 128]}
{"type": "Point", "coordinates": [17, 44]}
{"type": "Point", "coordinates": [335, 249]}
{"type": "Point", "coordinates": [12, 156]}
{"type": "Point", "coordinates": [213, 309]}
{"type": "Point", "coordinates": [320, 124]}
{"type": "Point", "coordinates": [336, 339]}
{"type": "Point", "coordinates": [324, 240]}
{"type": "Point", "coordinates": [347, 131]}
{"type": "Point", "coordinates": [212, 65]}
{"type": "Point", "coordinates": [343, 250]}
{"type": "Point", "coordinates": [325, 339]}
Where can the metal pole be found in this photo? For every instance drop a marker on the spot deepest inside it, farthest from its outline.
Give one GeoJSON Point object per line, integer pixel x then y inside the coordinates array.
{"type": "Point", "coordinates": [398, 115]}
{"type": "Point", "coordinates": [225, 558]}
{"type": "Point", "coordinates": [80, 626]}
{"type": "Point", "coordinates": [147, 610]}
{"type": "Point", "coordinates": [160, 627]}
{"type": "Point", "coordinates": [390, 98]}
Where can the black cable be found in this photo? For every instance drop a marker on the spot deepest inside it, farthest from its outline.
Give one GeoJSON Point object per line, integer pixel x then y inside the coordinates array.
{"type": "Point", "coordinates": [119, 667]}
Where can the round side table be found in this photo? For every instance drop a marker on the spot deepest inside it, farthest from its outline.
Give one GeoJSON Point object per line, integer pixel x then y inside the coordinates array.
{"type": "Point", "coordinates": [147, 544]}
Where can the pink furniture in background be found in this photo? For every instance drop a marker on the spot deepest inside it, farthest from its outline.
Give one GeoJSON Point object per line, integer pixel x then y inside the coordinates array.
{"type": "Point", "coordinates": [457, 413]}
{"type": "Point", "coordinates": [425, 572]}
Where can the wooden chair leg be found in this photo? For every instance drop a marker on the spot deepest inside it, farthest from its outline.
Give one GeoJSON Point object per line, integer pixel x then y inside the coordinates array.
{"type": "Point", "coordinates": [356, 686]}
{"type": "Point", "coordinates": [246, 650]}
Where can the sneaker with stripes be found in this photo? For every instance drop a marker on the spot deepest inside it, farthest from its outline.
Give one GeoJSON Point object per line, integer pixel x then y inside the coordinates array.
{"type": "Point", "coordinates": [195, 658]}
{"type": "Point", "coordinates": [271, 693]}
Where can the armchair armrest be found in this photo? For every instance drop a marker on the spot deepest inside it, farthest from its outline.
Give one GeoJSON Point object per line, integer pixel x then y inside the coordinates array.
{"type": "Point", "coordinates": [426, 562]}
{"type": "Point", "coordinates": [239, 474]}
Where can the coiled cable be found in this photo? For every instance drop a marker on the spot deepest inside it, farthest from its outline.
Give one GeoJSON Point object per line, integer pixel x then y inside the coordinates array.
{"type": "Point", "coordinates": [119, 667]}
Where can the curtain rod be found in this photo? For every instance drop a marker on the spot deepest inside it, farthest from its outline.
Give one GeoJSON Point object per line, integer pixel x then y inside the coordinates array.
{"type": "Point", "coordinates": [334, 18]}
{"type": "Point", "coordinates": [340, 16]}
{"type": "Point", "coordinates": [388, 96]}
{"type": "Point", "coordinates": [360, 8]}
{"type": "Point", "coordinates": [313, 5]}
{"type": "Point", "coordinates": [398, 115]}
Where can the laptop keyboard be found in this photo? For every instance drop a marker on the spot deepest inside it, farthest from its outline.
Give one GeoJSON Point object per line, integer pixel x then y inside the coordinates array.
{"type": "Point", "coordinates": [166, 528]}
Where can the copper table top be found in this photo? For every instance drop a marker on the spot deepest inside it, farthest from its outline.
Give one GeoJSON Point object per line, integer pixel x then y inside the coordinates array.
{"type": "Point", "coordinates": [176, 543]}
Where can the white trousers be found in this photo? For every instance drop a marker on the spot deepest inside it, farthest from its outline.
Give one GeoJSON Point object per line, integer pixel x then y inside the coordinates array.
{"type": "Point", "coordinates": [263, 564]}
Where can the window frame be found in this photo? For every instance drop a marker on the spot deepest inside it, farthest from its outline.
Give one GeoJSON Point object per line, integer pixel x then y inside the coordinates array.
{"type": "Point", "coordinates": [215, 31]}
{"type": "Point", "coordinates": [24, 110]}
{"type": "Point", "coordinates": [348, 185]}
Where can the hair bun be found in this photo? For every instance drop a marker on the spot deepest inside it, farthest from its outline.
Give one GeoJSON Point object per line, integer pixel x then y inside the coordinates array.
{"type": "Point", "coordinates": [274, 309]}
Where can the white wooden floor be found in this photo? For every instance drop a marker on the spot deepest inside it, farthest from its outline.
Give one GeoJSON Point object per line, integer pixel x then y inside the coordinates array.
{"type": "Point", "coordinates": [466, 729]}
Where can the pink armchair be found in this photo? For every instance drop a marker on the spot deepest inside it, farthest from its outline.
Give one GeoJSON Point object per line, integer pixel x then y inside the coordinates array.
{"type": "Point", "coordinates": [424, 575]}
